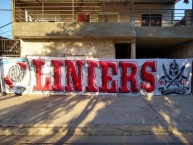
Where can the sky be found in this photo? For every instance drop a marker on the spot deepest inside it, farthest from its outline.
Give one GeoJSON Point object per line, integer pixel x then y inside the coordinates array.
{"type": "Point", "coordinates": [5, 16]}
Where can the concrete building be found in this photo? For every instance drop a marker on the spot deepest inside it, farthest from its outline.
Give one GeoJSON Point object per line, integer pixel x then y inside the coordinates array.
{"type": "Point", "coordinates": [103, 28]}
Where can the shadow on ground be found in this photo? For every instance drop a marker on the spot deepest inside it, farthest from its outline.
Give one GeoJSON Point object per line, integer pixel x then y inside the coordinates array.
{"type": "Point", "coordinates": [87, 116]}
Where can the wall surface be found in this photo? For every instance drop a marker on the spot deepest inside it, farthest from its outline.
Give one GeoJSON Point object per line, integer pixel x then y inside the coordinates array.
{"type": "Point", "coordinates": [99, 48]}
{"type": "Point", "coordinates": [184, 50]}
{"type": "Point", "coordinates": [164, 32]}
{"type": "Point", "coordinates": [72, 30]}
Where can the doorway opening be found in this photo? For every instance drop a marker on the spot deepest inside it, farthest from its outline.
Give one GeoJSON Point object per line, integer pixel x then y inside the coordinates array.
{"type": "Point", "coordinates": [123, 50]}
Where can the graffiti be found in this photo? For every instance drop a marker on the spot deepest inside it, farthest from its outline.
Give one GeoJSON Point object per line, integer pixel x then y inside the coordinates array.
{"type": "Point", "coordinates": [103, 76]}
{"type": "Point", "coordinates": [74, 76]}
{"type": "Point", "coordinates": [174, 81]}
{"type": "Point", "coordinates": [15, 71]}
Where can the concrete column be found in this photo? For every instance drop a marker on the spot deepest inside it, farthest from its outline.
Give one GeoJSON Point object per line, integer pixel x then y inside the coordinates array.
{"type": "Point", "coordinates": [133, 50]}
{"type": "Point", "coordinates": [132, 11]}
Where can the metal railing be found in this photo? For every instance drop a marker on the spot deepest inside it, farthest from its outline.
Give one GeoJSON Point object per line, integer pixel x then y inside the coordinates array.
{"type": "Point", "coordinates": [10, 48]}
{"type": "Point", "coordinates": [163, 17]}
{"type": "Point", "coordinates": [70, 11]}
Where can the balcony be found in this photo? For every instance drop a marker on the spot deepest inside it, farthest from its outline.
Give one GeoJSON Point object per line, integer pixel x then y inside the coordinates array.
{"type": "Point", "coordinates": [142, 14]}
{"type": "Point", "coordinates": [94, 18]}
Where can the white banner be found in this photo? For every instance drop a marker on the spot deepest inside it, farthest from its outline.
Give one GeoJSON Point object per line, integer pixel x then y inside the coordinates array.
{"type": "Point", "coordinates": [61, 75]}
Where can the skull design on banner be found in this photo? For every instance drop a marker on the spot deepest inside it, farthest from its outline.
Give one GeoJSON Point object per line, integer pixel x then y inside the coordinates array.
{"type": "Point", "coordinates": [174, 81]}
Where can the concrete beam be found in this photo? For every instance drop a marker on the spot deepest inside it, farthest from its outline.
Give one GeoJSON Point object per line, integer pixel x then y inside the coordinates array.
{"type": "Point", "coordinates": [133, 50]}
{"type": "Point", "coordinates": [73, 30]}
{"type": "Point", "coordinates": [164, 32]}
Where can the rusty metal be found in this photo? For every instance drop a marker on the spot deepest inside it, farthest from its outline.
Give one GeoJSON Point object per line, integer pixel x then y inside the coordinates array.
{"type": "Point", "coordinates": [10, 48]}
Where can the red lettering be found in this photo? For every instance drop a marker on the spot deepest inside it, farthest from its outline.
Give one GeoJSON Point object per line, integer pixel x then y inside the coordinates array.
{"type": "Point", "coordinates": [91, 76]}
{"type": "Point", "coordinates": [149, 78]}
{"type": "Point", "coordinates": [108, 87]}
{"type": "Point", "coordinates": [72, 76]}
{"type": "Point", "coordinates": [129, 72]}
{"type": "Point", "coordinates": [38, 70]}
{"type": "Point", "coordinates": [57, 75]}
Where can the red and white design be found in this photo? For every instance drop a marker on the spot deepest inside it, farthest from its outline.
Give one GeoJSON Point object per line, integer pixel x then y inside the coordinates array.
{"type": "Point", "coordinates": [15, 74]}
{"type": "Point", "coordinates": [81, 76]}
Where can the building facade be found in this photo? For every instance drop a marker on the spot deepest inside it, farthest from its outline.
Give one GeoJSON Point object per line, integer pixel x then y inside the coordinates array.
{"type": "Point", "coordinates": [103, 28]}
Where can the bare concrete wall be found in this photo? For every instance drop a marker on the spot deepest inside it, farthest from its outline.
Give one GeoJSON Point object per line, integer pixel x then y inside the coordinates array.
{"type": "Point", "coordinates": [100, 48]}
{"type": "Point", "coordinates": [165, 32]}
{"type": "Point", "coordinates": [184, 50]}
{"type": "Point", "coordinates": [73, 30]}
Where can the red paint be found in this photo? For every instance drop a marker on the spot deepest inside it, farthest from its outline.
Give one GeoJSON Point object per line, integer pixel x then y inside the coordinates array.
{"type": "Point", "coordinates": [57, 75]}
{"type": "Point", "coordinates": [149, 79]}
{"type": "Point", "coordinates": [92, 76]}
{"type": "Point", "coordinates": [108, 84]}
{"type": "Point", "coordinates": [8, 82]}
{"type": "Point", "coordinates": [161, 82]}
{"type": "Point", "coordinates": [38, 72]}
{"type": "Point", "coordinates": [23, 65]}
{"type": "Point", "coordinates": [74, 75]}
{"type": "Point", "coordinates": [81, 17]}
{"type": "Point", "coordinates": [128, 75]}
